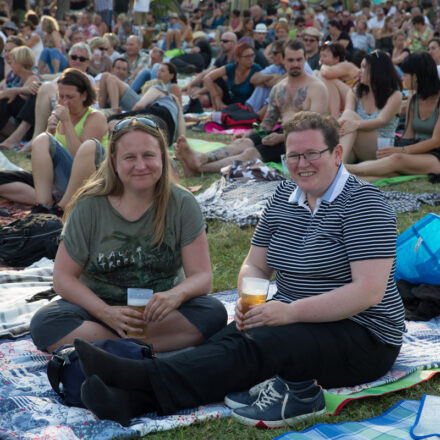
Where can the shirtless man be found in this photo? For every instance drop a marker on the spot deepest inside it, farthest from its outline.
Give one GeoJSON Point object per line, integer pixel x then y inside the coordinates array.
{"type": "Point", "coordinates": [298, 91]}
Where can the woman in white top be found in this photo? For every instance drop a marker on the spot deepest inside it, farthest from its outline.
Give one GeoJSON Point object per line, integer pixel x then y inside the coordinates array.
{"type": "Point", "coordinates": [33, 40]}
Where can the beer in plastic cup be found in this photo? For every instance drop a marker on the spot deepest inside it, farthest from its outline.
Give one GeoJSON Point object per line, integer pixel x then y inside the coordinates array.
{"type": "Point", "coordinates": [253, 292]}
{"type": "Point", "coordinates": [137, 299]}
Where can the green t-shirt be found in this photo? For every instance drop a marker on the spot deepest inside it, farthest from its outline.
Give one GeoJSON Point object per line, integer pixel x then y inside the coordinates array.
{"type": "Point", "coordinates": [116, 253]}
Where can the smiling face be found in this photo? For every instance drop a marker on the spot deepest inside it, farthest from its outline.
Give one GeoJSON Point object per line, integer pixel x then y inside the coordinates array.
{"type": "Point", "coordinates": [326, 57]}
{"type": "Point", "coordinates": [138, 161]}
{"type": "Point", "coordinates": [313, 177]}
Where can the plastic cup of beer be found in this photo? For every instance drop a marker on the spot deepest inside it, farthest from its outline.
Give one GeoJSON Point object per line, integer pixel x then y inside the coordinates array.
{"type": "Point", "coordinates": [253, 292]}
{"type": "Point", "coordinates": [137, 299]}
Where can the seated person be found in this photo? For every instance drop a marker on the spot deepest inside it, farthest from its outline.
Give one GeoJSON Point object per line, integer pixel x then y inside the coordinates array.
{"type": "Point", "coordinates": [421, 153]}
{"type": "Point", "coordinates": [337, 74]}
{"type": "Point", "coordinates": [129, 227]}
{"type": "Point", "coordinates": [238, 87]}
{"type": "Point", "coordinates": [52, 56]}
{"type": "Point", "coordinates": [196, 59]}
{"type": "Point", "coordinates": [64, 156]}
{"type": "Point", "coordinates": [287, 97]}
{"type": "Point", "coordinates": [115, 93]}
{"type": "Point", "coordinates": [371, 113]}
{"type": "Point", "coordinates": [150, 72]}
{"type": "Point", "coordinates": [100, 61]}
{"type": "Point", "coordinates": [336, 317]}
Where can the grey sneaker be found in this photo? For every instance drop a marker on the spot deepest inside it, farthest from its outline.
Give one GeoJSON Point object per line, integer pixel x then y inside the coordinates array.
{"type": "Point", "coordinates": [277, 405]}
{"type": "Point", "coordinates": [248, 397]}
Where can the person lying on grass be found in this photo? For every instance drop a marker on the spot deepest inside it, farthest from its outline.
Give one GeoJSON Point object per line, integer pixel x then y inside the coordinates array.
{"type": "Point", "coordinates": [336, 317]}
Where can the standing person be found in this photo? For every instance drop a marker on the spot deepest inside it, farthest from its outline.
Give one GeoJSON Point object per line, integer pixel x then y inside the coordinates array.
{"type": "Point", "coordinates": [298, 91]}
{"type": "Point", "coordinates": [140, 10]}
{"type": "Point", "coordinates": [337, 316]}
{"type": "Point", "coordinates": [104, 8]}
{"type": "Point", "coordinates": [420, 153]}
{"type": "Point", "coordinates": [372, 110]}
{"type": "Point", "coordinates": [130, 227]}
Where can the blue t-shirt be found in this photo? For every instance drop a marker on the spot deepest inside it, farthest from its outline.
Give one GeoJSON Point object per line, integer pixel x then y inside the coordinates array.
{"type": "Point", "coordinates": [240, 92]}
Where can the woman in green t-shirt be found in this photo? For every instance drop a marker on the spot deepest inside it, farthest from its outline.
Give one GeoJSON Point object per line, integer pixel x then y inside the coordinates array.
{"type": "Point", "coordinates": [130, 227]}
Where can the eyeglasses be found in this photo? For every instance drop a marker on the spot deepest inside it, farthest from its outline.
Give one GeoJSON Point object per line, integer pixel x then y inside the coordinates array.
{"type": "Point", "coordinates": [310, 40]}
{"type": "Point", "coordinates": [309, 156]}
{"type": "Point", "coordinates": [225, 41]}
{"type": "Point", "coordinates": [103, 49]}
{"type": "Point", "coordinates": [76, 57]}
{"type": "Point", "coordinates": [247, 56]}
{"type": "Point", "coordinates": [128, 121]}
{"type": "Point", "coordinates": [275, 52]}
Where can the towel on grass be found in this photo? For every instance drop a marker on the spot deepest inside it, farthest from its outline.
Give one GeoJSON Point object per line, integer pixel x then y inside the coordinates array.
{"type": "Point", "coordinates": [427, 423]}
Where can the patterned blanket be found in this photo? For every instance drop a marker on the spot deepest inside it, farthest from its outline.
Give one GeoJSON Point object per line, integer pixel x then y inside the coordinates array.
{"type": "Point", "coordinates": [30, 409]}
{"type": "Point", "coordinates": [243, 201]}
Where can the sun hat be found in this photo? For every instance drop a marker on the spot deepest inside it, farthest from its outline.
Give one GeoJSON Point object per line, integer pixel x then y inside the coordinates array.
{"type": "Point", "coordinates": [261, 28]}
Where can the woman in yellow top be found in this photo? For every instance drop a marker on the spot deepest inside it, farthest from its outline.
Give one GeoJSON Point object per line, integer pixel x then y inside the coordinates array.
{"type": "Point", "coordinates": [66, 154]}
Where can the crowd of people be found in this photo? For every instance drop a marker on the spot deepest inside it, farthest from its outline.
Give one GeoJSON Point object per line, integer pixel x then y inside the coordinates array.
{"type": "Point", "coordinates": [92, 91]}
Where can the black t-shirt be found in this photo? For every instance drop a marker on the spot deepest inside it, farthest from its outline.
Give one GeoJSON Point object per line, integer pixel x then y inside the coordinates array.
{"type": "Point", "coordinates": [205, 52]}
{"type": "Point", "coordinates": [349, 48]}
{"type": "Point", "coordinates": [222, 60]}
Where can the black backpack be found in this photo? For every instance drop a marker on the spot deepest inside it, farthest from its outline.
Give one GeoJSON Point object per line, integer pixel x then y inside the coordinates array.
{"type": "Point", "coordinates": [29, 239]}
{"type": "Point", "coordinates": [64, 367]}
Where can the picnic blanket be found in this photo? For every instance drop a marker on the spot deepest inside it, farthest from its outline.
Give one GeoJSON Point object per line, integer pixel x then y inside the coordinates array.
{"type": "Point", "coordinates": [243, 201]}
{"type": "Point", "coordinates": [394, 424]}
{"type": "Point", "coordinates": [31, 409]}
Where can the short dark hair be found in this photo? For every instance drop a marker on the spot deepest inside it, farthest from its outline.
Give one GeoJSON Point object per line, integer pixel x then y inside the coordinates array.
{"type": "Point", "coordinates": [336, 49]}
{"type": "Point", "coordinates": [119, 59]}
{"type": "Point", "coordinates": [335, 23]}
{"type": "Point", "coordinates": [74, 77]}
{"type": "Point", "coordinates": [307, 120]}
{"type": "Point", "coordinates": [418, 19]}
{"type": "Point", "coordinates": [295, 45]}
{"type": "Point", "coordinates": [423, 66]}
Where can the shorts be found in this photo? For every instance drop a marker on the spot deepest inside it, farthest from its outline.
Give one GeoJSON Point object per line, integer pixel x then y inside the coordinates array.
{"type": "Point", "coordinates": [62, 162]}
{"type": "Point", "coordinates": [268, 153]}
{"type": "Point", "coordinates": [129, 99]}
{"type": "Point", "coordinates": [59, 318]}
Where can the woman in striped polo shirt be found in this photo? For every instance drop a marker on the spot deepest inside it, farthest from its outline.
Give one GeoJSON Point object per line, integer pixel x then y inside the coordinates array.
{"type": "Point", "coordinates": [336, 318]}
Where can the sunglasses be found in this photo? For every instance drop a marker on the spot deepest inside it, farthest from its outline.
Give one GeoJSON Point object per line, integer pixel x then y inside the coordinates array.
{"type": "Point", "coordinates": [76, 57]}
{"type": "Point", "coordinates": [103, 49]}
{"type": "Point", "coordinates": [130, 121]}
{"type": "Point", "coordinates": [225, 41]}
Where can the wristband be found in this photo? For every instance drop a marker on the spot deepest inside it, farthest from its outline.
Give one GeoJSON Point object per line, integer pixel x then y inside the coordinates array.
{"type": "Point", "coordinates": [404, 149]}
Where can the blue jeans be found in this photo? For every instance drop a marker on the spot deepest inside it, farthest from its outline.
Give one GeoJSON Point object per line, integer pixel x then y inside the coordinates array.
{"type": "Point", "coordinates": [143, 76]}
{"type": "Point", "coordinates": [51, 53]}
{"type": "Point", "coordinates": [62, 162]}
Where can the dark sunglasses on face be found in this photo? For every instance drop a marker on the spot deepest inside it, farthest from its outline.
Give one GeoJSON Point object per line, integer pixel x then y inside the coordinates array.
{"type": "Point", "coordinates": [225, 41]}
{"type": "Point", "coordinates": [129, 121]}
{"type": "Point", "coordinates": [76, 57]}
{"type": "Point", "coordinates": [103, 49]}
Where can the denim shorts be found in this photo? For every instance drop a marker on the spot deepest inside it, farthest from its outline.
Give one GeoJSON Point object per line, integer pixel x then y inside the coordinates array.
{"type": "Point", "coordinates": [62, 162]}
{"type": "Point", "coordinates": [129, 99]}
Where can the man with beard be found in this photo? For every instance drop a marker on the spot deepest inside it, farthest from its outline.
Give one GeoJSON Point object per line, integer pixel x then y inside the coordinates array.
{"type": "Point", "coordinates": [298, 91]}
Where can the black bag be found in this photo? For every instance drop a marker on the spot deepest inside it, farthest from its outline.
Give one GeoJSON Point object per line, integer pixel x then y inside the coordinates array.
{"type": "Point", "coordinates": [403, 142]}
{"type": "Point", "coordinates": [29, 239]}
{"type": "Point", "coordinates": [64, 367]}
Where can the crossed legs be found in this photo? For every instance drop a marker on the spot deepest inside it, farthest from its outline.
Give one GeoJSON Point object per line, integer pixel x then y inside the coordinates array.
{"type": "Point", "coordinates": [194, 163]}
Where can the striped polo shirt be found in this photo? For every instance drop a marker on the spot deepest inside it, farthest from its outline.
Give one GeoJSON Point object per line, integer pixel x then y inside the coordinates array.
{"type": "Point", "coordinates": [311, 251]}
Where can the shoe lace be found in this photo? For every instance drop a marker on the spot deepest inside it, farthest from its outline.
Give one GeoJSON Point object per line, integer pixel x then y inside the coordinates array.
{"type": "Point", "coordinates": [257, 388]}
{"type": "Point", "coordinates": [267, 396]}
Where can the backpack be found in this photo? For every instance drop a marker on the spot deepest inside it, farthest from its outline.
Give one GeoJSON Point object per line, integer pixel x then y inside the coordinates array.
{"type": "Point", "coordinates": [238, 115]}
{"type": "Point", "coordinates": [29, 239]}
{"type": "Point", "coordinates": [64, 367]}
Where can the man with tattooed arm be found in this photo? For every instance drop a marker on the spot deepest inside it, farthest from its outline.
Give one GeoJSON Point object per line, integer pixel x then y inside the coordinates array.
{"type": "Point", "coordinates": [297, 92]}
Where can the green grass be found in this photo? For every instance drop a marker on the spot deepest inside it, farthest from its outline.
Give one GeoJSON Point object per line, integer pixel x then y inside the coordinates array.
{"type": "Point", "coordinates": [229, 245]}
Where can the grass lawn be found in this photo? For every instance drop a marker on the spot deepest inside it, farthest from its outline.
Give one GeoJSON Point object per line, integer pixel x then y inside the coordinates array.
{"type": "Point", "coordinates": [228, 246]}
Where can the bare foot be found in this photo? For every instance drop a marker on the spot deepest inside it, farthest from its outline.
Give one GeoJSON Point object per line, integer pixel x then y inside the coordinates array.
{"type": "Point", "coordinates": [8, 144]}
{"type": "Point", "coordinates": [191, 160]}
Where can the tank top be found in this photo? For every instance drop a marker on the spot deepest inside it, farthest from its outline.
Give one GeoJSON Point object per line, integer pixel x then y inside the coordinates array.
{"type": "Point", "coordinates": [386, 131]}
{"type": "Point", "coordinates": [79, 128]}
{"type": "Point", "coordinates": [168, 102]}
{"type": "Point", "coordinates": [423, 128]}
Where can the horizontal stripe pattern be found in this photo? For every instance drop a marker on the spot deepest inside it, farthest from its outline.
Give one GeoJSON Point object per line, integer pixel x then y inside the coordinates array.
{"type": "Point", "coordinates": [312, 253]}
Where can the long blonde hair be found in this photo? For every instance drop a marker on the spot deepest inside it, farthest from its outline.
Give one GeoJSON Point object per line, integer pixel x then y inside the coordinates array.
{"type": "Point", "coordinates": [106, 181]}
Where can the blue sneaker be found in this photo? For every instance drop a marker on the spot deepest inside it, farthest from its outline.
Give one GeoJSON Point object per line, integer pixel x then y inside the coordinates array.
{"type": "Point", "coordinates": [248, 397]}
{"type": "Point", "coordinates": [278, 405]}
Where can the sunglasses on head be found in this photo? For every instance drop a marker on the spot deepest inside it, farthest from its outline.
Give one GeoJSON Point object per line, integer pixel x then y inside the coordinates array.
{"type": "Point", "coordinates": [133, 120]}
{"type": "Point", "coordinates": [76, 57]}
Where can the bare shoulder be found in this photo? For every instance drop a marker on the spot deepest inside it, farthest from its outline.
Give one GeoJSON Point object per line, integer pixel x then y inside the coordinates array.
{"type": "Point", "coordinates": [96, 117]}
{"type": "Point", "coordinates": [316, 86]}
